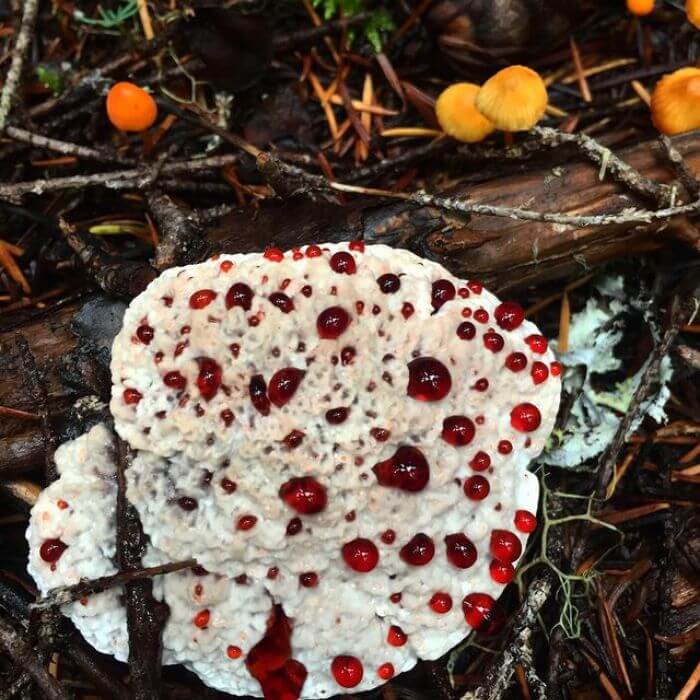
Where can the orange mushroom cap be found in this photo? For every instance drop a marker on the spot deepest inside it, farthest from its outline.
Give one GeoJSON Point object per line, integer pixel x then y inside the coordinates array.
{"type": "Point", "coordinates": [130, 108]}
{"type": "Point", "coordinates": [675, 102]}
{"type": "Point", "coordinates": [514, 99]}
{"type": "Point", "coordinates": [640, 7]}
{"type": "Point", "coordinates": [692, 12]}
{"type": "Point", "coordinates": [458, 116]}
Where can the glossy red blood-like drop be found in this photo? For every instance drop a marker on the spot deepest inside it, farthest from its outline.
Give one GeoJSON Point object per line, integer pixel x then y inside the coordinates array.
{"type": "Point", "coordinates": [174, 380]}
{"type": "Point", "coordinates": [358, 246]}
{"type": "Point", "coordinates": [505, 546]}
{"type": "Point", "coordinates": [347, 671]}
{"type": "Point", "coordinates": [555, 368]}
{"type": "Point", "coordinates": [145, 333]}
{"type": "Point", "coordinates": [209, 377]}
{"type": "Point", "coordinates": [336, 416]}
{"type": "Point", "coordinates": [396, 636]}
{"type": "Point", "coordinates": [380, 434]}
{"type": "Point", "coordinates": [457, 430]}
{"type": "Point", "coordinates": [395, 598]}
{"type": "Point", "coordinates": [493, 341]}
{"type": "Point", "coordinates": [313, 251]}
{"type": "Point", "coordinates": [294, 527]}
{"type": "Point", "coordinates": [202, 298]}
{"type": "Point", "coordinates": [440, 603]}
{"type": "Point", "coordinates": [226, 265]}
{"type": "Point", "coordinates": [505, 447]}
{"type": "Point", "coordinates": [388, 536]}
{"type": "Point", "coordinates": [304, 494]}
{"type": "Point", "coordinates": [347, 355]}
{"type": "Point", "coordinates": [539, 372]}
{"type": "Point", "coordinates": [258, 394]}
{"type": "Point", "coordinates": [481, 384]}
{"type": "Point", "coordinates": [282, 302]}
{"type": "Point", "coordinates": [343, 263]}
{"type": "Point", "coordinates": [332, 322]}
{"type": "Point", "coordinates": [407, 470]}
{"type": "Point", "coordinates": [480, 612]}
{"type": "Point", "coordinates": [509, 315]}
{"type": "Point", "coordinates": [476, 488]}
{"type": "Point", "coordinates": [132, 396]}
{"type": "Point", "coordinates": [227, 417]}
{"type": "Point", "coordinates": [187, 503]}
{"type": "Point", "coordinates": [525, 521]}
{"type": "Point", "coordinates": [283, 385]}
{"type": "Point", "coordinates": [293, 439]}
{"type": "Point", "coordinates": [442, 292]}
{"type": "Point", "coordinates": [460, 550]}
{"type": "Point", "coordinates": [51, 550]}
{"type": "Point", "coordinates": [386, 671]}
{"type": "Point", "coordinates": [501, 572]}
{"type": "Point", "coordinates": [525, 417]}
{"type": "Point", "coordinates": [428, 379]}
{"type": "Point", "coordinates": [537, 343]}
{"type": "Point", "coordinates": [407, 309]}
{"type": "Point", "coordinates": [274, 254]}
{"type": "Point", "coordinates": [516, 362]}
{"type": "Point", "coordinates": [239, 295]}
{"type": "Point", "coordinates": [228, 485]}
{"type": "Point", "coordinates": [475, 286]}
{"type": "Point", "coordinates": [418, 551]}
{"type": "Point", "coordinates": [360, 555]}
{"type": "Point", "coordinates": [201, 619]}
{"type": "Point", "coordinates": [270, 662]}
{"type": "Point", "coordinates": [466, 330]}
{"type": "Point", "coordinates": [246, 522]}
{"type": "Point", "coordinates": [308, 579]}
{"type": "Point", "coordinates": [232, 651]}
{"type": "Point", "coordinates": [389, 283]}
{"type": "Point", "coordinates": [480, 461]}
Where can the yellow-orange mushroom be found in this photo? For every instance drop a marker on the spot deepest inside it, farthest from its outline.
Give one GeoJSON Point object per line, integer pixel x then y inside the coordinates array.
{"type": "Point", "coordinates": [514, 99]}
{"type": "Point", "coordinates": [640, 7]}
{"type": "Point", "coordinates": [692, 12]}
{"type": "Point", "coordinates": [458, 116]}
{"type": "Point", "coordinates": [675, 102]}
{"type": "Point", "coordinates": [131, 108]}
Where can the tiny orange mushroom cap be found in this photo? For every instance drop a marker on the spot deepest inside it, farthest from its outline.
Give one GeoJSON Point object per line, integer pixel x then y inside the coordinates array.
{"type": "Point", "coordinates": [692, 12]}
{"type": "Point", "coordinates": [514, 99]}
{"type": "Point", "coordinates": [640, 7]}
{"type": "Point", "coordinates": [675, 102]}
{"type": "Point", "coordinates": [458, 116]}
{"type": "Point", "coordinates": [130, 108]}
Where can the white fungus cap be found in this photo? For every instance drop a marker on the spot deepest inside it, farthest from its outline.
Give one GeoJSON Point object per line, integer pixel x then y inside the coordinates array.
{"type": "Point", "coordinates": [363, 468]}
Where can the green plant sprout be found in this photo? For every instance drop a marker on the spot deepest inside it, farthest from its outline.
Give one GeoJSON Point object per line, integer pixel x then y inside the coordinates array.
{"type": "Point", "coordinates": [375, 28]}
{"type": "Point", "coordinates": [109, 19]}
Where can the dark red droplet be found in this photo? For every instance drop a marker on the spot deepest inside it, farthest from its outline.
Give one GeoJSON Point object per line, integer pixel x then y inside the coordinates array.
{"type": "Point", "coordinates": [539, 372]}
{"type": "Point", "coordinates": [174, 380]}
{"type": "Point", "coordinates": [481, 384]}
{"type": "Point", "coordinates": [332, 322]}
{"type": "Point", "coordinates": [481, 316]}
{"type": "Point", "coordinates": [282, 302]}
{"type": "Point", "coordinates": [145, 333]}
{"type": "Point", "coordinates": [304, 494]}
{"type": "Point", "coordinates": [418, 551]}
{"type": "Point", "coordinates": [516, 362]}
{"type": "Point", "coordinates": [525, 521]}
{"type": "Point", "coordinates": [396, 636]}
{"type": "Point", "coordinates": [407, 309]}
{"type": "Point", "coordinates": [313, 251]}
{"type": "Point", "coordinates": [343, 263]}
{"type": "Point", "coordinates": [294, 527]}
{"type": "Point", "coordinates": [525, 417]}
{"type": "Point", "coordinates": [202, 298]}
{"type": "Point", "coordinates": [442, 292]}
{"type": "Point", "coordinates": [293, 439]}
{"type": "Point", "coordinates": [209, 377]}
{"type": "Point", "coordinates": [389, 283]}
{"type": "Point", "coordinates": [555, 368]}
{"type": "Point", "coordinates": [360, 555]}
{"type": "Point", "coordinates": [51, 550]}
{"type": "Point", "coordinates": [187, 503]}
{"type": "Point", "coordinates": [336, 416]}
{"type": "Point", "coordinates": [309, 579]}
{"type": "Point", "coordinates": [440, 602]}
{"type": "Point", "coordinates": [380, 434]}
{"type": "Point", "coordinates": [505, 447]}
{"type": "Point", "coordinates": [273, 254]}
{"type": "Point", "coordinates": [258, 394]}
{"type": "Point", "coordinates": [246, 522]}
{"type": "Point", "coordinates": [228, 485]}
{"type": "Point", "coordinates": [501, 572]}
{"type": "Point", "coordinates": [395, 598]}
{"type": "Point", "coordinates": [537, 343]}
{"type": "Point", "coordinates": [481, 612]}
{"type": "Point", "coordinates": [407, 469]}
{"type": "Point", "coordinates": [347, 355]}
{"type": "Point", "coordinates": [505, 546]}
{"type": "Point", "coordinates": [358, 246]}
{"type": "Point", "coordinates": [458, 430]}
{"type": "Point", "coordinates": [232, 651]}
{"type": "Point", "coordinates": [460, 550]}
{"type": "Point", "coordinates": [307, 290]}
{"type": "Point", "coordinates": [239, 295]}
{"type": "Point", "coordinates": [466, 330]}
{"type": "Point", "coordinates": [475, 286]}
{"type": "Point", "coordinates": [509, 315]}
{"type": "Point", "coordinates": [388, 536]}
{"type": "Point", "coordinates": [132, 396]}
{"type": "Point", "coordinates": [347, 671]}
{"type": "Point", "coordinates": [493, 341]}
{"type": "Point", "coordinates": [201, 619]}
{"type": "Point", "coordinates": [480, 462]}
{"type": "Point", "coordinates": [476, 488]}
{"type": "Point", "coordinates": [283, 385]}
{"type": "Point", "coordinates": [386, 671]}
{"type": "Point", "coordinates": [227, 417]}
{"type": "Point", "coordinates": [428, 379]}
{"type": "Point", "coordinates": [167, 301]}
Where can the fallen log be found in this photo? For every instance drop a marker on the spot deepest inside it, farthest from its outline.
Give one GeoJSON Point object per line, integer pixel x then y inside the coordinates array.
{"type": "Point", "coordinates": [71, 342]}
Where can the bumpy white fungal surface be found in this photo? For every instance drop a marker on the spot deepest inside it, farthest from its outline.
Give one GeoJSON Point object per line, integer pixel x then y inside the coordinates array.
{"type": "Point", "coordinates": [445, 396]}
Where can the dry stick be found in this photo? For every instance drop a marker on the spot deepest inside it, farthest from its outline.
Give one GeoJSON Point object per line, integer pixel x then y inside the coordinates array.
{"type": "Point", "coordinates": [20, 684]}
{"type": "Point", "coordinates": [72, 149]}
{"type": "Point", "coordinates": [423, 199]}
{"type": "Point", "coordinates": [608, 162]}
{"type": "Point", "coordinates": [18, 54]}
{"type": "Point", "coordinates": [26, 657]}
{"type": "Point", "coordinates": [69, 594]}
{"type": "Point", "coordinates": [118, 179]}
{"type": "Point", "coordinates": [145, 616]}
{"type": "Point", "coordinates": [683, 172]}
{"type": "Point", "coordinates": [500, 674]}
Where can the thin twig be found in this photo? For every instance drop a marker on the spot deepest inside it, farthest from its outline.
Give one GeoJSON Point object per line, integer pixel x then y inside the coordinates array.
{"type": "Point", "coordinates": [685, 175]}
{"type": "Point", "coordinates": [18, 53]}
